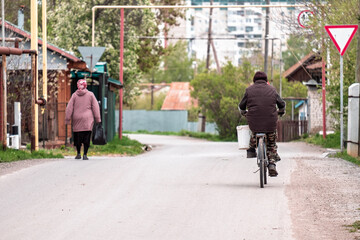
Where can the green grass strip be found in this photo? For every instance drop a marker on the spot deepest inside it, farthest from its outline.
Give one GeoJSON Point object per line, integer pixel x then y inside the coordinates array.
{"type": "Point", "coordinates": [201, 135]}
{"type": "Point", "coordinates": [10, 155]}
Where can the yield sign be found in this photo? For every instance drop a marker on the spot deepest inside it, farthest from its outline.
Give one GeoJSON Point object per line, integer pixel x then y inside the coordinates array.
{"type": "Point", "coordinates": [91, 55]}
{"type": "Point", "coordinates": [341, 35]}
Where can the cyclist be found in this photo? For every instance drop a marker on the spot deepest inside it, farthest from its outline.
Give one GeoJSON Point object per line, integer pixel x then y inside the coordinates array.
{"type": "Point", "coordinates": [261, 100]}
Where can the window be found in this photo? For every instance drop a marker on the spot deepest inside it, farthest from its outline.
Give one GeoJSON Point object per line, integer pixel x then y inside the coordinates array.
{"type": "Point", "coordinates": [249, 29]}
{"type": "Point", "coordinates": [257, 20]}
{"type": "Point", "coordinates": [231, 29]}
{"type": "Point", "coordinates": [241, 44]}
{"type": "Point", "coordinates": [240, 13]}
{"type": "Point", "coordinates": [248, 20]}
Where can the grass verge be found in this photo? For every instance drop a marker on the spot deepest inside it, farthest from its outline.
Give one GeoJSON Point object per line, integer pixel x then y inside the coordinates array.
{"type": "Point", "coordinates": [124, 146]}
{"type": "Point", "coordinates": [331, 141]}
{"type": "Point", "coordinates": [347, 157]}
{"type": "Point", "coordinates": [10, 155]}
{"type": "Point", "coordinates": [354, 227]}
{"type": "Point", "coordinates": [202, 135]}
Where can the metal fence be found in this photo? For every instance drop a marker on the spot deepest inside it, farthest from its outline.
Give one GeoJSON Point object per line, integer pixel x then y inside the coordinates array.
{"type": "Point", "coordinates": [289, 130]}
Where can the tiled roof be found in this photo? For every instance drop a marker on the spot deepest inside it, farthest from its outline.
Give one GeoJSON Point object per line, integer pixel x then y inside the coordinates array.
{"type": "Point", "coordinates": [178, 97]}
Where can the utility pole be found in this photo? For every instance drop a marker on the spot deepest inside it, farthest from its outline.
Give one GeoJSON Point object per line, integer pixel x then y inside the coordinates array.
{"type": "Point", "coordinates": [266, 36]}
{"type": "Point", "coordinates": [209, 38]}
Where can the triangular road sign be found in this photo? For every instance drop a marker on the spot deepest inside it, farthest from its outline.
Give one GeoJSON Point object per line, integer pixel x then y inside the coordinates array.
{"type": "Point", "coordinates": [91, 55]}
{"type": "Point", "coordinates": [341, 35]}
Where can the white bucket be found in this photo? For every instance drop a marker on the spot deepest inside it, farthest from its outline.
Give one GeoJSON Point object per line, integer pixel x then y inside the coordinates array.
{"type": "Point", "coordinates": [243, 133]}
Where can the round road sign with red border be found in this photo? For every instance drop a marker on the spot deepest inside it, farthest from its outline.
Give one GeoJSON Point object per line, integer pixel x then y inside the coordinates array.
{"type": "Point", "coordinates": [304, 18]}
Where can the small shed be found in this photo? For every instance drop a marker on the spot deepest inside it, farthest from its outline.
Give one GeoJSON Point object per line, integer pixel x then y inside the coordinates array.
{"type": "Point", "coordinates": [104, 88]}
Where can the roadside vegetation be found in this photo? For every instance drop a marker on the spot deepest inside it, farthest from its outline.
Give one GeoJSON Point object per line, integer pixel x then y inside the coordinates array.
{"type": "Point", "coordinates": [10, 155]}
{"type": "Point", "coordinates": [201, 135]}
{"type": "Point", "coordinates": [331, 141]}
{"type": "Point", "coordinates": [123, 147]}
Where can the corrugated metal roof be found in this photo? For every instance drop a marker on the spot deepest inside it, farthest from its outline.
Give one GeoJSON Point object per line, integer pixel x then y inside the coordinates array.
{"type": "Point", "coordinates": [297, 65]}
{"type": "Point", "coordinates": [315, 65]}
{"type": "Point", "coordinates": [178, 97]}
{"type": "Point", "coordinates": [50, 46]}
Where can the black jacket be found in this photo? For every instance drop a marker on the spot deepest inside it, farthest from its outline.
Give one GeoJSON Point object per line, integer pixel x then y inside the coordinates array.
{"type": "Point", "coordinates": [261, 100]}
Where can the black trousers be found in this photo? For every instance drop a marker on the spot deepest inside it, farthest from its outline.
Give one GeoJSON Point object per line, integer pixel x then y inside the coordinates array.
{"type": "Point", "coordinates": [82, 138]}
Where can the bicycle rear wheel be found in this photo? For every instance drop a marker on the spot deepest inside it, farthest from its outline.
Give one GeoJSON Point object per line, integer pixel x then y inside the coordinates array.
{"type": "Point", "coordinates": [261, 160]}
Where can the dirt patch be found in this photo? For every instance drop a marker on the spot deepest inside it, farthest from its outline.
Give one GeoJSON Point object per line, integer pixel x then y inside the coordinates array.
{"type": "Point", "coordinates": [324, 197]}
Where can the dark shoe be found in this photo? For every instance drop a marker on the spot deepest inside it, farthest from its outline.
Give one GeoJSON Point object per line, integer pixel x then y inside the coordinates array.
{"type": "Point", "coordinates": [78, 156]}
{"type": "Point", "coordinates": [251, 153]}
{"type": "Point", "coordinates": [272, 170]}
{"type": "Point", "coordinates": [85, 157]}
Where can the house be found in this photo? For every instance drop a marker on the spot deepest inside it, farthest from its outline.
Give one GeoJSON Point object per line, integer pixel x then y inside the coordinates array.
{"type": "Point", "coordinates": [61, 66]}
{"type": "Point", "coordinates": [308, 70]}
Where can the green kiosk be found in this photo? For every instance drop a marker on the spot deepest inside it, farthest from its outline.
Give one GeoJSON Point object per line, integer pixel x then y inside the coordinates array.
{"type": "Point", "coordinates": [104, 89]}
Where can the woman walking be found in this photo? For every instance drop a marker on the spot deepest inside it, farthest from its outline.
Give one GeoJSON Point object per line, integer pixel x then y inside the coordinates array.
{"type": "Point", "coordinates": [81, 111]}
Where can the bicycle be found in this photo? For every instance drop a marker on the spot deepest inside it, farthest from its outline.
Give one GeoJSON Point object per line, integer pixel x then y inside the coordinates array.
{"type": "Point", "coordinates": [262, 160]}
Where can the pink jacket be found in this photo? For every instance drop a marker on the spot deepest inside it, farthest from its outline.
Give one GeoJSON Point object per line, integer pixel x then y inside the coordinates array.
{"type": "Point", "coordinates": [82, 109]}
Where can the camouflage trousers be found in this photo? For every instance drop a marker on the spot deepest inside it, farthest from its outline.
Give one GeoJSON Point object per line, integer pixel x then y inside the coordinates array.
{"type": "Point", "coordinates": [271, 147]}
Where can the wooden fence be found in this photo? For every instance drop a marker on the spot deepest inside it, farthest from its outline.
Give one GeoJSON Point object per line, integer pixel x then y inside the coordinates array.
{"type": "Point", "coordinates": [289, 130]}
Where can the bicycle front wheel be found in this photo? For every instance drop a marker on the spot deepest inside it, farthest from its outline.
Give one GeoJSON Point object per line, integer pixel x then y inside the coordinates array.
{"type": "Point", "coordinates": [261, 160]}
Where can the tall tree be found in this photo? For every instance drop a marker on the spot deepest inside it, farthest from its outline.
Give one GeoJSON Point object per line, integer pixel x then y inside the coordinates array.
{"type": "Point", "coordinates": [219, 95]}
{"type": "Point", "coordinates": [297, 48]}
{"type": "Point", "coordinates": [177, 66]}
{"type": "Point", "coordinates": [70, 26]}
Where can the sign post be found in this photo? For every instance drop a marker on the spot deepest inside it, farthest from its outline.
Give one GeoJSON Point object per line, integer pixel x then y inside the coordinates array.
{"type": "Point", "coordinates": [341, 35]}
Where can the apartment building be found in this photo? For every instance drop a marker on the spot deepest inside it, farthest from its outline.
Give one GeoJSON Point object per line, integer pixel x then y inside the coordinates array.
{"type": "Point", "coordinates": [236, 32]}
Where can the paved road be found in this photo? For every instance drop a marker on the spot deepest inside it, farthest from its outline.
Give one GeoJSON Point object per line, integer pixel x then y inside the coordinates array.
{"type": "Point", "coordinates": [183, 189]}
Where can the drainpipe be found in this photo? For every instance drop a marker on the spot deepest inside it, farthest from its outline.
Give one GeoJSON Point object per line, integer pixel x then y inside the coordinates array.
{"type": "Point", "coordinates": [34, 75]}
{"type": "Point", "coordinates": [44, 64]}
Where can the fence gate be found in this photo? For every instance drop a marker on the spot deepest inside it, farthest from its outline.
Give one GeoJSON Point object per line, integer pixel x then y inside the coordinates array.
{"type": "Point", "coordinates": [289, 130]}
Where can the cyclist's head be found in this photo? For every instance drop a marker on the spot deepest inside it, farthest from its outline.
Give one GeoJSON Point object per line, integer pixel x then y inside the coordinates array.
{"type": "Point", "coordinates": [260, 76]}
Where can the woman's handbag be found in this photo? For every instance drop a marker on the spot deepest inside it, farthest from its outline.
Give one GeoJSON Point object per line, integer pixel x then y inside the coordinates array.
{"type": "Point", "coordinates": [99, 137]}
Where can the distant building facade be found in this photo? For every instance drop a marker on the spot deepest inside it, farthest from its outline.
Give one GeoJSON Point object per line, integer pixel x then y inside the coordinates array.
{"type": "Point", "coordinates": [236, 32]}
